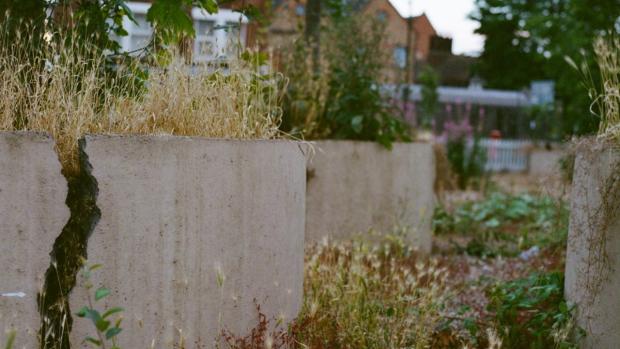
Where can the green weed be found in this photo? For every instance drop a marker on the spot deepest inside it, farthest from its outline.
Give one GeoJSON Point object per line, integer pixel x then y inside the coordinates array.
{"type": "Point", "coordinates": [533, 313]}
{"type": "Point", "coordinates": [505, 224]}
{"type": "Point", "coordinates": [106, 329]}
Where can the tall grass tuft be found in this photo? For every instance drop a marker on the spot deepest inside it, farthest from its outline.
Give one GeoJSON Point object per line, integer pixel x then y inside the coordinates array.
{"type": "Point", "coordinates": [605, 95]}
{"type": "Point", "coordinates": [360, 295]}
{"type": "Point", "coordinates": [69, 89]}
{"type": "Point", "coordinates": [608, 100]}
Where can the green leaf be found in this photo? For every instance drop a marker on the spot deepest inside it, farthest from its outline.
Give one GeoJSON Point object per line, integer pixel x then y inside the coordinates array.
{"type": "Point", "coordinates": [492, 223]}
{"type": "Point", "coordinates": [95, 317]}
{"type": "Point", "coordinates": [112, 332]}
{"type": "Point", "coordinates": [95, 267]}
{"type": "Point", "coordinates": [93, 340]}
{"type": "Point", "coordinates": [102, 292]}
{"type": "Point", "coordinates": [82, 312]}
{"type": "Point", "coordinates": [102, 325]}
{"type": "Point", "coordinates": [357, 123]}
{"type": "Point", "coordinates": [112, 311]}
{"type": "Point", "coordinates": [209, 5]}
{"type": "Point", "coordinates": [170, 19]}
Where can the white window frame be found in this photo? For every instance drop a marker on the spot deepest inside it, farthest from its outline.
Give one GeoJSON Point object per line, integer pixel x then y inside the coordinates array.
{"type": "Point", "coordinates": [139, 8]}
{"type": "Point", "coordinates": [219, 39]}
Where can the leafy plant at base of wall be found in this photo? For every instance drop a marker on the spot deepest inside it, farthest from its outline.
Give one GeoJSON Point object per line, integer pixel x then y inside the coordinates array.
{"type": "Point", "coordinates": [466, 156]}
{"type": "Point", "coordinates": [533, 313]}
{"type": "Point", "coordinates": [505, 224]}
{"type": "Point", "coordinates": [105, 328]}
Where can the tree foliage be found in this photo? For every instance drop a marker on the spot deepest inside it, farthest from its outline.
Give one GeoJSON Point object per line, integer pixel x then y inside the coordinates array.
{"type": "Point", "coordinates": [529, 39]}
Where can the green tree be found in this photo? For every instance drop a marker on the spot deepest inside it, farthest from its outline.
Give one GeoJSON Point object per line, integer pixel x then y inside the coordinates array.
{"type": "Point", "coordinates": [529, 39]}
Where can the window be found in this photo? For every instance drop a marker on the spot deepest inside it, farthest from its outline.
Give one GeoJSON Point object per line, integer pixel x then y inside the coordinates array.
{"type": "Point", "coordinates": [382, 16]}
{"type": "Point", "coordinates": [139, 33]}
{"type": "Point", "coordinates": [205, 43]}
{"type": "Point", "coordinates": [400, 56]}
{"type": "Point", "coordinates": [216, 32]}
{"type": "Point", "coordinates": [300, 10]}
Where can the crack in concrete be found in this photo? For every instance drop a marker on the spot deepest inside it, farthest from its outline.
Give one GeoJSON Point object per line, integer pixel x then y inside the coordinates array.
{"type": "Point", "coordinates": [70, 248]}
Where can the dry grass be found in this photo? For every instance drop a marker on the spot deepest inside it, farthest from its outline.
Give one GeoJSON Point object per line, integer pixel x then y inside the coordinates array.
{"type": "Point", "coordinates": [608, 100]}
{"type": "Point", "coordinates": [606, 96]}
{"type": "Point", "coordinates": [66, 91]}
{"type": "Point", "coordinates": [360, 295]}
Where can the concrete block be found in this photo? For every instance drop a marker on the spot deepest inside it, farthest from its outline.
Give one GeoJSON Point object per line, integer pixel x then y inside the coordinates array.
{"type": "Point", "coordinates": [355, 186]}
{"type": "Point", "coordinates": [179, 212]}
{"type": "Point", "coordinates": [32, 215]}
{"type": "Point", "coordinates": [545, 162]}
{"type": "Point", "coordinates": [593, 252]}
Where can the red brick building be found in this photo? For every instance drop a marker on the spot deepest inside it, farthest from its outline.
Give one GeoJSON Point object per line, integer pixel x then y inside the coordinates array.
{"type": "Point", "coordinates": [424, 32]}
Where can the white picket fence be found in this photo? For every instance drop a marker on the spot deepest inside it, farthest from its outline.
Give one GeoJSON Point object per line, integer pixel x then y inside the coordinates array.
{"type": "Point", "coordinates": [506, 155]}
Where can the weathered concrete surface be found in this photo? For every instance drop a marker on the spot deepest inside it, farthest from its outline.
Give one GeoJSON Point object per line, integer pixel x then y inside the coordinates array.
{"type": "Point", "coordinates": [356, 186]}
{"type": "Point", "coordinates": [176, 212]}
{"type": "Point", "coordinates": [593, 254]}
{"type": "Point", "coordinates": [545, 162]}
{"type": "Point", "coordinates": [32, 215]}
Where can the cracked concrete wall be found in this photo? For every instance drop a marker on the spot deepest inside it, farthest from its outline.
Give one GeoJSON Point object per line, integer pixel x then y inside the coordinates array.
{"type": "Point", "coordinates": [354, 186]}
{"type": "Point", "coordinates": [178, 211]}
{"type": "Point", "coordinates": [594, 234]}
{"type": "Point", "coordinates": [32, 214]}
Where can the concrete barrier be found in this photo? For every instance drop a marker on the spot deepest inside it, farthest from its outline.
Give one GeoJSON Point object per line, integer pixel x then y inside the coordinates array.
{"type": "Point", "coordinates": [593, 253]}
{"type": "Point", "coordinates": [32, 215]}
{"type": "Point", "coordinates": [545, 162]}
{"type": "Point", "coordinates": [356, 186]}
{"type": "Point", "coordinates": [191, 232]}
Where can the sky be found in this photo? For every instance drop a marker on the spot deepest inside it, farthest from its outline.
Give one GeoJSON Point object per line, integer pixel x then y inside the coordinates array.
{"type": "Point", "coordinates": [449, 17]}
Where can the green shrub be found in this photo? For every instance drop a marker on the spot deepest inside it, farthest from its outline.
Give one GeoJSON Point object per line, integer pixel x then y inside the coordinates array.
{"type": "Point", "coordinates": [533, 313]}
{"type": "Point", "coordinates": [342, 100]}
{"type": "Point", "coordinates": [466, 161]}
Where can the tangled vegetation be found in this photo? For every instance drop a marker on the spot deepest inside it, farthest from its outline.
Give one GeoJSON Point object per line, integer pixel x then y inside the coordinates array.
{"type": "Point", "coordinates": [360, 295]}
{"type": "Point", "coordinates": [533, 313]}
{"type": "Point", "coordinates": [339, 97]}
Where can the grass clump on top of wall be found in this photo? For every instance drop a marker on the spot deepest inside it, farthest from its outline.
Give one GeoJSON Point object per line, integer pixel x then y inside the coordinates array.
{"type": "Point", "coordinates": [69, 89]}
{"type": "Point", "coordinates": [608, 100]}
{"type": "Point", "coordinates": [604, 87]}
